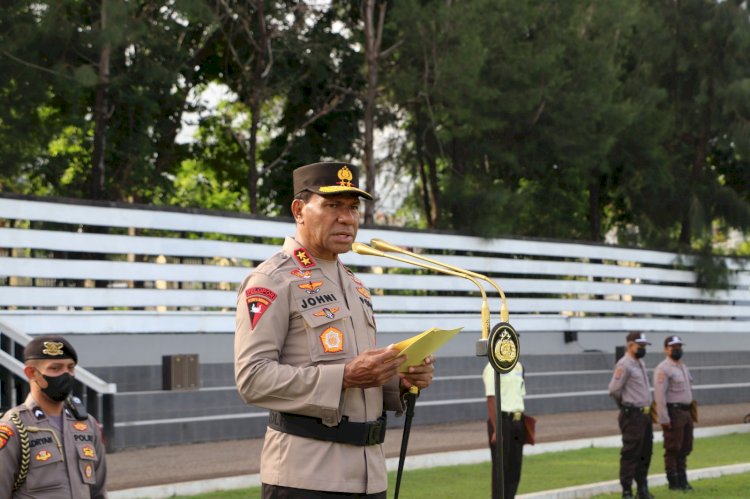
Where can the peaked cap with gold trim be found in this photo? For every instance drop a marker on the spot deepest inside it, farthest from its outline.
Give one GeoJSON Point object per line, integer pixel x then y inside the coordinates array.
{"type": "Point", "coordinates": [328, 178]}
{"type": "Point", "coordinates": [49, 347]}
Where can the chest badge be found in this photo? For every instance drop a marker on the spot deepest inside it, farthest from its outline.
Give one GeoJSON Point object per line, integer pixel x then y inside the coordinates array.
{"type": "Point", "coordinates": [88, 451]}
{"type": "Point", "coordinates": [332, 340]}
{"type": "Point", "coordinates": [327, 312]}
{"type": "Point", "coordinates": [80, 426]}
{"type": "Point", "coordinates": [311, 287]}
{"type": "Point", "coordinates": [302, 274]}
{"type": "Point", "coordinates": [43, 455]}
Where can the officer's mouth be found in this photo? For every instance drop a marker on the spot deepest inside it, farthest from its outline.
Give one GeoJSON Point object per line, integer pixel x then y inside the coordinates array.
{"type": "Point", "coordinates": [344, 237]}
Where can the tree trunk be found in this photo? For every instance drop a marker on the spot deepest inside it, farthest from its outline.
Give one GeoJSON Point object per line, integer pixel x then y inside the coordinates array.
{"type": "Point", "coordinates": [98, 167]}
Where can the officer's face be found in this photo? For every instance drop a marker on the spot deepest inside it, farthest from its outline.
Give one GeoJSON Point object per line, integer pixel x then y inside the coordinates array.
{"type": "Point", "coordinates": [55, 368]}
{"type": "Point", "coordinates": [327, 225]}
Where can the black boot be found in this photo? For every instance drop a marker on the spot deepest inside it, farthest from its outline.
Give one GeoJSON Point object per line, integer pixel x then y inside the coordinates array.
{"type": "Point", "coordinates": [627, 493]}
{"type": "Point", "coordinates": [643, 492]}
{"type": "Point", "coordinates": [684, 485]}
{"type": "Point", "coordinates": [674, 481]}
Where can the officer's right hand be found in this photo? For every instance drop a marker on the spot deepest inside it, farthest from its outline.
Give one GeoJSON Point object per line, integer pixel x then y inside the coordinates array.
{"type": "Point", "coordinates": [372, 368]}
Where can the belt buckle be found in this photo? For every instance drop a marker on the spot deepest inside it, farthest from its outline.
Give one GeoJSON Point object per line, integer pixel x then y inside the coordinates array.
{"type": "Point", "coordinates": [517, 416]}
{"type": "Point", "coordinates": [646, 410]}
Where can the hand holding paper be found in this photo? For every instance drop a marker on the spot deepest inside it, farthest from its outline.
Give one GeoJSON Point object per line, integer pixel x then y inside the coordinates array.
{"type": "Point", "coordinates": [419, 347]}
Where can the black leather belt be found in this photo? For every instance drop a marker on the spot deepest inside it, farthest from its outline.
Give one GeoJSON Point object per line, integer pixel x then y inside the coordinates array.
{"type": "Point", "coordinates": [513, 416]}
{"type": "Point", "coordinates": [627, 409]}
{"type": "Point", "coordinates": [684, 407]}
{"type": "Point", "coordinates": [346, 432]}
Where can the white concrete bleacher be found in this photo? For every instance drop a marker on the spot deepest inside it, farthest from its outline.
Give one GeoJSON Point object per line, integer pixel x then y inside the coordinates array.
{"type": "Point", "coordinates": [133, 283]}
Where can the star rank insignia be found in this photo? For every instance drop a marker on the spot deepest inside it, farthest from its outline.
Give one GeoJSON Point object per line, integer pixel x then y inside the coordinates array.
{"type": "Point", "coordinates": [311, 287]}
{"type": "Point", "coordinates": [303, 258]}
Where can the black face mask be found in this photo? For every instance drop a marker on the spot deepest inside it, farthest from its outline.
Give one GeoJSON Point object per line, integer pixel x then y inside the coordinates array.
{"type": "Point", "coordinates": [676, 354]}
{"type": "Point", "coordinates": [58, 387]}
{"type": "Point", "coordinates": [640, 353]}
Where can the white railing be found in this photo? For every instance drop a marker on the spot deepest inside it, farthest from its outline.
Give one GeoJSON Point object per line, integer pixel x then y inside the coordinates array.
{"type": "Point", "coordinates": [177, 271]}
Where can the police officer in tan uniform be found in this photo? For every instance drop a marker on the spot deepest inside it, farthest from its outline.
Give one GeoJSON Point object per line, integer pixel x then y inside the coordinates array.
{"type": "Point", "coordinates": [630, 389]}
{"type": "Point", "coordinates": [674, 396]}
{"type": "Point", "coordinates": [305, 348]}
{"type": "Point", "coordinates": [512, 393]}
{"type": "Point", "coordinates": [46, 452]}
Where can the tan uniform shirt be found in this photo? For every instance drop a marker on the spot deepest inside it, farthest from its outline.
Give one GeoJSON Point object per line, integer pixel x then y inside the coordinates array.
{"type": "Point", "coordinates": [672, 385]}
{"type": "Point", "coordinates": [512, 387]}
{"type": "Point", "coordinates": [298, 321]}
{"type": "Point", "coordinates": [70, 465]}
{"type": "Point", "coordinates": [629, 383]}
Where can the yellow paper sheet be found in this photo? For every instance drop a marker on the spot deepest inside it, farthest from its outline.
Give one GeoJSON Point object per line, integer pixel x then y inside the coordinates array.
{"type": "Point", "coordinates": [420, 346]}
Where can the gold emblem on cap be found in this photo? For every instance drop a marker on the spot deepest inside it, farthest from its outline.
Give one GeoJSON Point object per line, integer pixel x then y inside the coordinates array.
{"type": "Point", "coordinates": [345, 176]}
{"type": "Point", "coordinates": [53, 348]}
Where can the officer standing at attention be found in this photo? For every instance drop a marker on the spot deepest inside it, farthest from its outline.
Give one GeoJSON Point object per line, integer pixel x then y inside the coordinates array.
{"type": "Point", "coordinates": [630, 389]}
{"type": "Point", "coordinates": [305, 349]}
{"type": "Point", "coordinates": [48, 449]}
{"type": "Point", "coordinates": [512, 392]}
{"type": "Point", "coordinates": [674, 396]}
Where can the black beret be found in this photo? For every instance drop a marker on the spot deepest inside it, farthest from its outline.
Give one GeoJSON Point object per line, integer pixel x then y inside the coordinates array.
{"type": "Point", "coordinates": [49, 347]}
{"type": "Point", "coordinates": [327, 179]}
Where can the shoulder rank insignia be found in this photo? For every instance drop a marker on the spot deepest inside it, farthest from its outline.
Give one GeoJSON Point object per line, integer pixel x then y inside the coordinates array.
{"type": "Point", "coordinates": [5, 433]}
{"type": "Point", "coordinates": [363, 291]}
{"type": "Point", "coordinates": [302, 274]}
{"type": "Point", "coordinates": [258, 300]}
{"type": "Point", "coordinates": [327, 312]}
{"type": "Point", "coordinates": [332, 340]}
{"type": "Point", "coordinates": [353, 277]}
{"type": "Point", "coordinates": [311, 287]}
{"type": "Point", "coordinates": [303, 258]}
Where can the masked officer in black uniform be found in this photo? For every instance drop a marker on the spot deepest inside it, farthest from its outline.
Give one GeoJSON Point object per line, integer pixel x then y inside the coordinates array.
{"type": "Point", "coordinates": [48, 450]}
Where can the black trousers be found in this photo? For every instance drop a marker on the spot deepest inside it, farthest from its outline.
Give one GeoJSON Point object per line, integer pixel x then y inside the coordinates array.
{"type": "Point", "coordinates": [678, 441]}
{"type": "Point", "coordinates": [279, 492]}
{"type": "Point", "coordinates": [637, 446]}
{"type": "Point", "coordinates": [514, 435]}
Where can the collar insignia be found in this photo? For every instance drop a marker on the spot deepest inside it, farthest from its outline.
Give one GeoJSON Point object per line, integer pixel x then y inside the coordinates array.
{"type": "Point", "coordinates": [311, 287]}
{"type": "Point", "coordinates": [38, 413]}
{"type": "Point", "coordinates": [302, 274]}
{"type": "Point", "coordinates": [303, 258]}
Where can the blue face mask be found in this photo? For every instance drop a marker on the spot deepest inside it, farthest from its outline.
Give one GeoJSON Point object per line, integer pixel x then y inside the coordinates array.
{"type": "Point", "coordinates": [58, 387]}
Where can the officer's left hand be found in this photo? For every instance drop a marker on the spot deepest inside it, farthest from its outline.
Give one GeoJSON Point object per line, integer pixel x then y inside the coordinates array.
{"type": "Point", "coordinates": [419, 376]}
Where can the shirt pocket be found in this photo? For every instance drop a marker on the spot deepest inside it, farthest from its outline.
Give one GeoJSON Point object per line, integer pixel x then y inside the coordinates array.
{"type": "Point", "coordinates": [86, 461]}
{"type": "Point", "coordinates": [46, 468]}
{"type": "Point", "coordinates": [330, 335]}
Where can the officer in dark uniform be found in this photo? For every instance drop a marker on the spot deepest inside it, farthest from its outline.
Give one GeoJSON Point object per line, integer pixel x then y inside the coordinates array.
{"type": "Point", "coordinates": [674, 396]}
{"type": "Point", "coordinates": [630, 389]}
{"type": "Point", "coordinates": [48, 450]}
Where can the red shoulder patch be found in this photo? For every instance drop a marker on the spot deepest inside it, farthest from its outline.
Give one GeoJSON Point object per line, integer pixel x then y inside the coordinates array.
{"type": "Point", "coordinates": [258, 301]}
{"type": "Point", "coordinates": [5, 433]}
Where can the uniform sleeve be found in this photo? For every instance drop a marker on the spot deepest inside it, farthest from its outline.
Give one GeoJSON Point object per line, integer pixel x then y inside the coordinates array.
{"type": "Point", "coordinates": [9, 457]}
{"type": "Point", "coordinates": [617, 383]}
{"type": "Point", "coordinates": [661, 380]}
{"type": "Point", "coordinates": [99, 490]}
{"type": "Point", "coordinates": [262, 379]}
{"type": "Point", "coordinates": [488, 378]}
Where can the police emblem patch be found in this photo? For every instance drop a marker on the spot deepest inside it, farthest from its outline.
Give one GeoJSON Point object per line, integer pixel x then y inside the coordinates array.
{"type": "Point", "coordinates": [303, 258]}
{"type": "Point", "coordinates": [5, 433]}
{"type": "Point", "coordinates": [332, 340]}
{"type": "Point", "coordinates": [311, 287]}
{"type": "Point", "coordinates": [88, 451]}
{"type": "Point", "coordinates": [43, 455]}
{"type": "Point", "coordinates": [258, 300]}
{"type": "Point", "coordinates": [88, 471]}
{"type": "Point", "coordinates": [53, 348]}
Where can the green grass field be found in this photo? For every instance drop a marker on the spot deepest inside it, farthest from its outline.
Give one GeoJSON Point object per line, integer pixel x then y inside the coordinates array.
{"type": "Point", "coordinates": [565, 469]}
